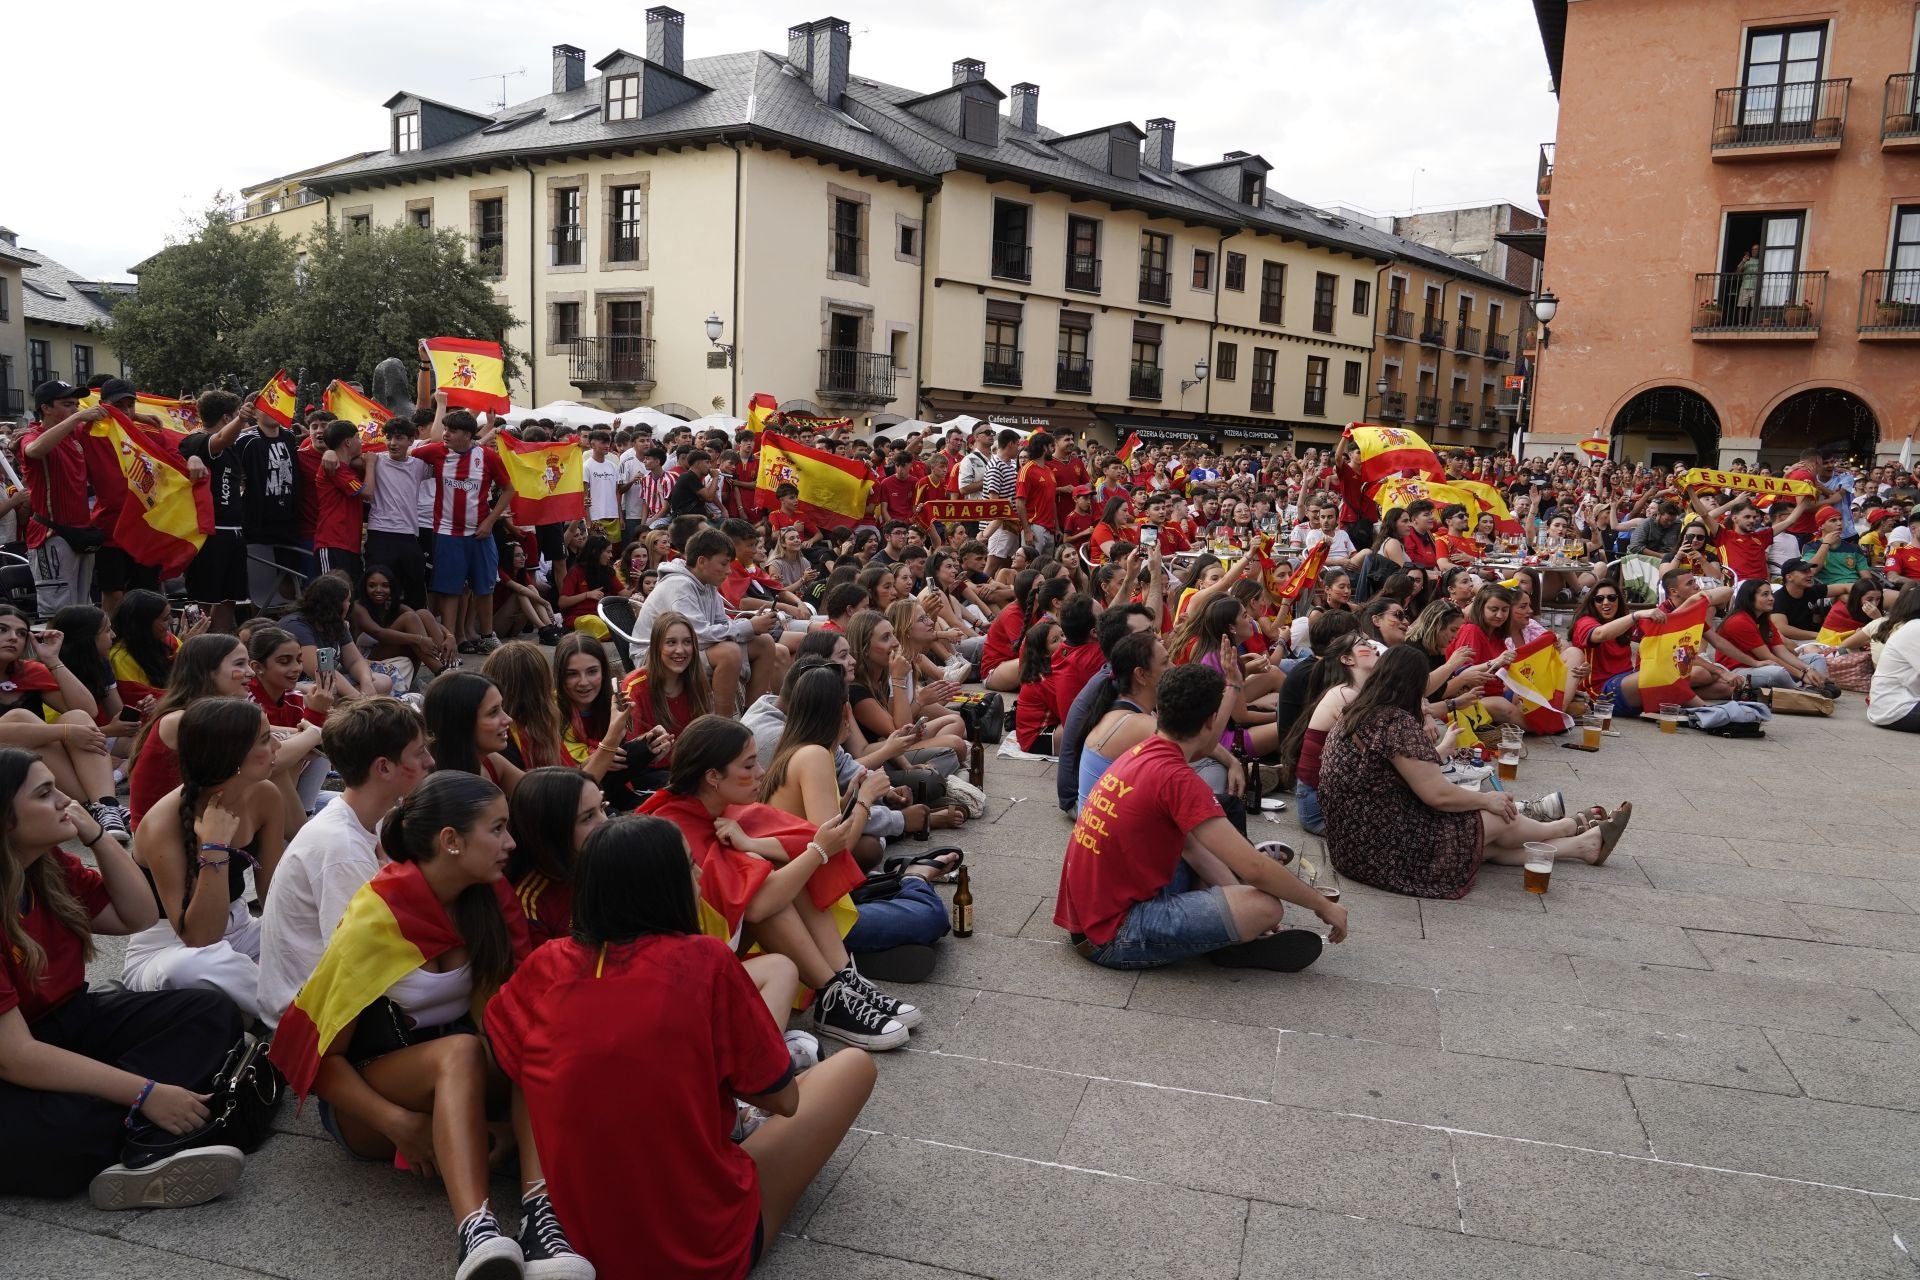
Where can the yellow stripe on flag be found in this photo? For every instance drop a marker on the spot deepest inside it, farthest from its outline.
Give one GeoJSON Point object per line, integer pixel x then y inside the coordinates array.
{"type": "Point", "coordinates": [548, 480]}
{"type": "Point", "coordinates": [471, 372]}
{"type": "Point", "coordinates": [165, 520]}
{"type": "Point", "coordinates": [348, 979]}
{"type": "Point", "coordinates": [829, 485]}
{"type": "Point", "coordinates": [279, 399]}
{"type": "Point", "coordinates": [1386, 451]}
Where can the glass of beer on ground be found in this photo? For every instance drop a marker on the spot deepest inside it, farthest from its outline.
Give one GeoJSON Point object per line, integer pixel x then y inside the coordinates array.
{"type": "Point", "coordinates": [1669, 717]}
{"type": "Point", "coordinates": [1510, 737]}
{"type": "Point", "coordinates": [1538, 869]}
{"type": "Point", "coordinates": [1603, 707]}
{"type": "Point", "coordinates": [1590, 729]}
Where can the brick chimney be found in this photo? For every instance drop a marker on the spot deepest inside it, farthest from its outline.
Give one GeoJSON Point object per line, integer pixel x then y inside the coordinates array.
{"type": "Point", "coordinates": [569, 68]}
{"type": "Point", "coordinates": [1159, 149]}
{"type": "Point", "coordinates": [1024, 114]}
{"type": "Point", "coordinates": [666, 34]}
{"type": "Point", "coordinates": [969, 69]}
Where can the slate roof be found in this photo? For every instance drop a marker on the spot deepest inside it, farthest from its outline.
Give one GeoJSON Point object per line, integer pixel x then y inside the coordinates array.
{"type": "Point", "coordinates": [53, 294]}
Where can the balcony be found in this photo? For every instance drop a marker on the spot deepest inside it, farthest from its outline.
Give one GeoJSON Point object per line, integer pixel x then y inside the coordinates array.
{"type": "Point", "coordinates": [1543, 185]}
{"type": "Point", "coordinates": [1766, 306]}
{"type": "Point", "coordinates": [1805, 117]}
{"type": "Point", "coordinates": [1001, 366]}
{"type": "Point", "coordinates": [1890, 305]}
{"type": "Point", "coordinates": [1433, 332]}
{"type": "Point", "coordinates": [1261, 400]}
{"type": "Point", "coordinates": [13, 402]}
{"type": "Point", "coordinates": [1490, 418]}
{"type": "Point", "coordinates": [1012, 260]}
{"type": "Point", "coordinates": [1155, 285]}
{"type": "Point", "coordinates": [1314, 403]}
{"type": "Point", "coordinates": [490, 251]}
{"type": "Point", "coordinates": [566, 246]}
{"type": "Point", "coordinates": [1426, 409]}
{"type": "Point", "coordinates": [1083, 273]}
{"type": "Point", "coordinates": [1499, 347]}
{"type": "Point", "coordinates": [623, 360]}
{"type": "Point", "coordinates": [1466, 338]}
{"type": "Point", "coordinates": [1460, 413]}
{"type": "Point", "coordinates": [1074, 378]}
{"type": "Point", "coordinates": [1397, 325]}
{"type": "Point", "coordinates": [1143, 382]}
{"type": "Point", "coordinates": [1900, 121]}
{"type": "Point", "coordinates": [624, 244]}
{"type": "Point", "coordinates": [856, 376]}
{"type": "Point", "coordinates": [1393, 408]}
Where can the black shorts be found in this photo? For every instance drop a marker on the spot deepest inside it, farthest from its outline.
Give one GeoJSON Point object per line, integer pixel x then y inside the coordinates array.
{"type": "Point", "coordinates": [115, 570]}
{"type": "Point", "coordinates": [334, 560]}
{"type": "Point", "coordinates": [553, 541]}
{"type": "Point", "coordinates": [218, 574]}
{"type": "Point", "coordinates": [400, 555]}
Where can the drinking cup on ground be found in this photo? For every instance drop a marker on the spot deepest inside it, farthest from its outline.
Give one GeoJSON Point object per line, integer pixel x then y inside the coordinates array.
{"type": "Point", "coordinates": [1538, 868]}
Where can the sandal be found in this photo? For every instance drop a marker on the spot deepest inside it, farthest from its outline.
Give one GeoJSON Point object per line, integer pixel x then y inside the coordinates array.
{"type": "Point", "coordinates": [1611, 828]}
{"type": "Point", "coordinates": [935, 858]}
{"type": "Point", "coordinates": [1278, 850]}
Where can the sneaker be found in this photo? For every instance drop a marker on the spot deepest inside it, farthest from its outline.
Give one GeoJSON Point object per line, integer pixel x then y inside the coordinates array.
{"type": "Point", "coordinates": [803, 1051]}
{"type": "Point", "coordinates": [544, 1244]}
{"type": "Point", "coordinates": [550, 634]}
{"type": "Point", "coordinates": [1548, 808]}
{"type": "Point", "coordinates": [189, 1177]}
{"type": "Point", "coordinates": [844, 1012]}
{"type": "Point", "coordinates": [487, 643]}
{"type": "Point", "coordinates": [905, 1014]}
{"type": "Point", "coordinates": [1288, 951]}
{"type": "Point", "coordinates": [113, 820]}
{"type": "Point", "coordinates": [468, 646]}
{"type": "Point", "coordinates": [485, 1253]}
{"type": "Point", "coordinates": [971, 799]}
{"type": "Point", "coordinates": [745, 1120]}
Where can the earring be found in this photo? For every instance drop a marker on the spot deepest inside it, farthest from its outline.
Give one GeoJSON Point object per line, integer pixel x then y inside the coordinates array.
{"type": "Point", "coordinates": [455, 850]}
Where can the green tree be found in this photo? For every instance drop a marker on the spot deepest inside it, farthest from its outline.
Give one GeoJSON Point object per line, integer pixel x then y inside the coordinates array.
{"type": "Point", "coordinates": [202, 311]}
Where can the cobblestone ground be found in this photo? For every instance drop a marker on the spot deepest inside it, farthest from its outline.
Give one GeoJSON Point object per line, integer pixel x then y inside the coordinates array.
{"type": "Point", "coordinates": [1700, 1059]}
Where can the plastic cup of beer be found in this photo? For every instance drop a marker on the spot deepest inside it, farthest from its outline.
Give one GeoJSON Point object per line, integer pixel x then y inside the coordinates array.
{"type": "Point", "coordinates": [1509, 763]}
{"type": "Point", "coordinates": [1603, 707]}
{"type": "Point", "coordinates": [1669, 717]}
{"type": "Point", "coordinates": [1538, 869]}
{"type": "Point", "coordinates": [1590, 730]}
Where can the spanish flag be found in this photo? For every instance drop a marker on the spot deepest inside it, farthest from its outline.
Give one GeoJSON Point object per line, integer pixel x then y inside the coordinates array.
{"type": "Point", "coordinates": [548, 481]}
{"type": "Point", "coordinates": [392, 926]}
{"type": "Point", "coordinates": [762, 411]}
{"type": "Point", "coordinates": [348, 405]}
{"type": "Point", "coordinates": [279, 399]}
{"type": "Point", "coordinates": [1596, 446]}
{"type": "Point", "coordinates": [180, 416]}
{"type": "Point", "coordinates": [1402, 491]}
{"type": "Point", "coordinates": [1490, 499]}
{"type": "Point", "coordinates": [834, 491]}
{"type": "Point", "coordinates": [1306, 573]}
{"type": "Point", "coordinates": [471, 372]}
{"type": "Point", "coordinates": [1667, 650]}
{"type": "Point", "coordinates": [1125, 451]}
{"type": "Point", "coordinates": [1470, 722]}
{"type": "Point", "coordinates": [1537, 681]}
{"type": "Point", "coordinates": [1387, 451]}
{"type": "Point", "coordinates": [168, 516]}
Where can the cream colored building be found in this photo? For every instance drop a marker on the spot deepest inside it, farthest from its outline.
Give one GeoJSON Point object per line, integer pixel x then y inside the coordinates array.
{"type": "Point", "coordinates": [13, 331]}
{"type": "Point", "coordinates": [47, 333]}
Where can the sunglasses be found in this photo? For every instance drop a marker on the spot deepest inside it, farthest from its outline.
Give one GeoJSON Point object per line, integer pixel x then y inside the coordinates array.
{"type": "Point", "coordinates": [1394, 615]}
{"type": "Point", "coordinates": [1603, 599]}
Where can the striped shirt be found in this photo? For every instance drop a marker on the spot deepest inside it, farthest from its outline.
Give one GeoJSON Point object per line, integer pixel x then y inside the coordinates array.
{"type": "Point", "coordinates": [653, 488]}
{"type": "Point", "coordinates": [1003, 477]}
{"type": "Point", "coordinates": [465, 484]}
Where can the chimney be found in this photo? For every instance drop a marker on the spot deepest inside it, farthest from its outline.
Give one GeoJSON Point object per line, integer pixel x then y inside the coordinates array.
{"type": "Point", "coordinates": [832, 48]}
{"type": "Point", "coordinates": [1236, 155]}
{"type": "Point", "coordinates": [969, 69]}
{"type": "Point", "coordinates": [1159, 152]}
{"type": "Point", "coordinates": [666, 33]}
{"type": "Point", "coordinates": [12, 240]}
{"type": "Point", "coordinates": [800, 49]}
{"type": "Point", "coordinates": [1024, 115]}
{"type": "Point", "coordinates": [569, 68]}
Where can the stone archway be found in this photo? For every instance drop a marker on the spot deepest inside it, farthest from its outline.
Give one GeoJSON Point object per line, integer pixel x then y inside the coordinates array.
{"type": "Point", "coordinates": [1666, 424]}
{"type": "Point", "coordinates": [1824, 418]}
{"type": "Point", "coordinates": [673, 408]}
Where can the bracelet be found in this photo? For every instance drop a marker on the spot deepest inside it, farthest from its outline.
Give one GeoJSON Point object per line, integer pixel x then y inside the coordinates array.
{"type": "Point", "coordinates": [814, 847]}
{"type": "Point", "coordinates": [133, 1112]}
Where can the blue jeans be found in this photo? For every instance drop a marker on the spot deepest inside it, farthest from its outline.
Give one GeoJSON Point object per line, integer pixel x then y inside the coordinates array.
{"type": "Point", "coordinates": [1308, 809]}
{"type": "Point", "coordinates": [915, 914]}
{"type": "Point", "coordinates": [1175, 924]}
{"type": "Point", "coordinates": [1771, 676]}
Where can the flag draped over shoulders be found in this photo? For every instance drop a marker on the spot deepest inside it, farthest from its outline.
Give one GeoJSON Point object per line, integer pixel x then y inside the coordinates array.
{"type": "Point", "coordinates": [549, 484]}
{"type": "Point", "coordinates": [729, 878]}
{"type": "Point", "coordinates": [167, 516]}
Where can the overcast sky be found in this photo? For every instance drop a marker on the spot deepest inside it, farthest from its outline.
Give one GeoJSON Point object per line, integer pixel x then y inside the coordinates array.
{"type": "Point", "coordinates": [1372, 103]}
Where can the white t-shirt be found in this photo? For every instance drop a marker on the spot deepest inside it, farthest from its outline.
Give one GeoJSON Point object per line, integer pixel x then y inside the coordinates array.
{"type": "Point", "coordinates": [632, 507]}
{"type": "Point", "coordinates": [602, 478]}
{"type": "Point", "coordinates": [1341, 549]}
{"type": "Point", "coordinates": [324, 865]}
{"type": "Point", "coordinates": [1895, 690]}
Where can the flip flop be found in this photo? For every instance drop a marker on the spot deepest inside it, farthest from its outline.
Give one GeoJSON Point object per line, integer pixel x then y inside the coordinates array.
{"type": "Point", "coordinates": [1288, 951]}
{"type": "Point", "coordinates": [1611, 828]}
{"type": "Point", "coordinates": [1278, 850]}
{"type": "Point", "coordinates": [931, 858]}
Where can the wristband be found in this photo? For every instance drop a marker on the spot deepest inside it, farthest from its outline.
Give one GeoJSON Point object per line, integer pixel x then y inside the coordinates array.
{"type": "Point", "coordinates": [133, 1112]}
{"type": "Point", "coordinates": [814, 847]}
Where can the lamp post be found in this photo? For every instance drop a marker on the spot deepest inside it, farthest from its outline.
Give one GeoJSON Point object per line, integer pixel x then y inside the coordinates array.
{"type": "Point", "coordinates": [715, 328]}
{"type": "Point", "coordinates": [1545, 307]}
{"type": "Point", "coordinates": [1379, 395]}
{"type": "Point", "coordinates": [1199, 376]}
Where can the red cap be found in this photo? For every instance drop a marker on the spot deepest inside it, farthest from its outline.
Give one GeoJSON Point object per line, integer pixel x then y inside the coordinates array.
{"type": "Point", "coordinates": [1825, 514]}
{"type": "Point", "coordinates": [1878, 514]}
{"type": "Point", "coordinates": [1083, 490]}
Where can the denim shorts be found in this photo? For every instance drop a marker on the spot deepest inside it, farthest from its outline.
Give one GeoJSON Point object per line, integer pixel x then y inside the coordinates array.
{"type": "Point", "coordinates": [1177, 923]}
{"type": "Point", "coordinates": [1611, 689]}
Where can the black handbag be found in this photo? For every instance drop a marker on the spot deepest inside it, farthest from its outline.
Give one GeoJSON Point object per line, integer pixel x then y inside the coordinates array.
{"type": "Point", "coordinates": [986, 716]}
{"type": "Point", "coordinates": [247, 1091]}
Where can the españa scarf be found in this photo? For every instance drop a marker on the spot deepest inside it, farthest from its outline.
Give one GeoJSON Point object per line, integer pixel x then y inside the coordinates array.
{"type": "Point", "coordinates": [1746, 482]}
{"type": "Point", "coordinates": [392, 926]}
{"type": "Point", "coordinates": [729, 878]}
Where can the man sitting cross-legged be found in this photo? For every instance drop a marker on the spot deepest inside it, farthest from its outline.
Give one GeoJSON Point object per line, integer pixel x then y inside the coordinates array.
{"type": "Point", "coordinates": [1155, 873]}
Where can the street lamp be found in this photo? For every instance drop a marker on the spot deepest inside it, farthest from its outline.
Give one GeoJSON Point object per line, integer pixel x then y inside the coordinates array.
{"type": "Point", "coordinates": [714, 329]}
{"type": "Point", "coordinates": [1545, 307]}
{"type": "Point", "coordinates": [1199, 376]}
{"type": "Point", "coordinates": [1379, 395]}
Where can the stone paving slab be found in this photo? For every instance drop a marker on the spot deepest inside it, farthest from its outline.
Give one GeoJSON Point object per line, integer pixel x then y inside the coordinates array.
{"type": "Point", "coordinates": [1842, 966]}
{"type": "Point", "coordinates": [1463, 922]}
{"type": "Point", "coordinates": [1755, 1000]}
{"type": "Point", "coordinates": [1312, 1001]}
{"type": "Point", "coordinates": [1859, 1071]}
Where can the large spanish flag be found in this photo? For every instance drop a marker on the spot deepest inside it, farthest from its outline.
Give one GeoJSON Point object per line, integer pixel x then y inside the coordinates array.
{"type": "Point", "coordinates": [168, 516]}
{"type": "Point", "coordinates": [392, 926]}
{"type": "Point", "coordinates": [548, 480]}
{"type": "Point", "coordinates": [279, 399]}
{"type": "Point", "coordinates": [1387, 451]}
{"type": "Point", "coordinates": [834, 491]}
{"type": "Point", "coordinates": [762, 412]}
{"type": "Point", "coordinates": [179, 416]}
{"type": "Point", "coordinates": [471, 372]}
{"type": "Point", "coordinates": [1537, 681]}
{"type": "Point", "coordinates": [1667, 650]}
{"type": "Point", "coordinates": [1490, 499]}
{"type": "Point", "coordinates": [1596, 446]}
{"type": "Point", "coordinates": [1402, 491]}
{"type": "Point", "coordinates": [348, 405]}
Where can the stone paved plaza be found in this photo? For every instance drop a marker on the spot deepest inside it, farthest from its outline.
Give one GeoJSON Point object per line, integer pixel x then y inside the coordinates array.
{"type": "Point", "coordinates": [1700, 1059]}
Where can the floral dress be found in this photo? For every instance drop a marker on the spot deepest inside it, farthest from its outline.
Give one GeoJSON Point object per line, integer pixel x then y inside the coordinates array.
{"type": "Point", "coordinates": [1378, 831]}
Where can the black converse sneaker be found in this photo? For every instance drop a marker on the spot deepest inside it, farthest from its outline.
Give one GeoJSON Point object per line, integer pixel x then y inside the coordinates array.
{"type": "Point", "coordinates": [844, 1011]}
{"type": "Point", "coordinates": [486, 1254]}
{"type": "Point", "coordinates": [905, 1014]}
{"type": "Point", "coordinates": [189, 1177]}
{"type": "Point", "coordinates": [549, 1256]}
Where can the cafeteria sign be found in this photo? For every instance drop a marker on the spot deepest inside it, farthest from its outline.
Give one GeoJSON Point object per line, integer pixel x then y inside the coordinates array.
{"type": "Point", "coordinates": [1516, 382]}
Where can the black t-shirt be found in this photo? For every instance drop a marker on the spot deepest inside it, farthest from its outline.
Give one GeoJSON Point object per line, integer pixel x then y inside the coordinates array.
{"type": "Point", "coordinates": [272, 506]}
{"type": "Point", "coordinates": [685, 497]}
{"type": "Point", "coordinates": [223, 474]}
{"type": "Point", "coordinates": [1805, 612]}
{"type": "Point", "coordinates": [1293, 694]}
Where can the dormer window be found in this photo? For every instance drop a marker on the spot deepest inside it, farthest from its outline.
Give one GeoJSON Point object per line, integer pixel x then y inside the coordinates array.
{"type": "Point", "coordinates": [623, 97]}
{"type": "Point", "coordinates": [406, 132]}
{"type": "Point", "coordinates": [1252, 185]}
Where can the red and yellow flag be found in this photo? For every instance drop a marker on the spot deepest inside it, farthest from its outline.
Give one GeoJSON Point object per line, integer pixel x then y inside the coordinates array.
{"type": "Point", "coordinates": [548, 480]}
{"type": "Point", "coordinates": [762, 412]}
{"type": "Point", "coordinates": [180, 416]}
{"type": "Point", "coordinates": [1489, 499]}
{"type": "Point", "coordinates": [1306, 573]}
{"type": "Point", "coordinates": [392, 926]}
{"type": "Point", "coordinates": [1387, 451]}
{"type": "Point", "coordinates": [1401, 491]}
{"type": "Point", "coordinates": [1125, 451]}
{"type": "Point", "coordinates": [1537, 681]}
{"type": "Point", "coordinates": [834, 491]}
{"type": "Point", "coordinates": [729, 878]}
{"type": "Point", "coordinates": [348, 405]}
{"type": "Point", "coordinates": [279, 399]}
{"type": "Point", "coordinates": [1596, 446]}
{"type": "Point", "coordinates": [1667, 651]}
{"type": "Point", "coordinates": [167, 516]}
{"type": "Point", "coordinates": [471, 372]}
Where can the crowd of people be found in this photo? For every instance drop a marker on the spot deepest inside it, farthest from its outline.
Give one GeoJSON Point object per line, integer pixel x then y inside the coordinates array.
{"type": "Point", "coordinates": [479, 824]}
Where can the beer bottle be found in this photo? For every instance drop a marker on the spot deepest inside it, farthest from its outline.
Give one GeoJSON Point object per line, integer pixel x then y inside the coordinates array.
{"type": "Point", "coordinates": [963, 907]}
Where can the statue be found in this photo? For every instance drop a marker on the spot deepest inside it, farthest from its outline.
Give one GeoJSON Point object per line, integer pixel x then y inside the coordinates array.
{"type": "Point", "coordinates": [393, 387]}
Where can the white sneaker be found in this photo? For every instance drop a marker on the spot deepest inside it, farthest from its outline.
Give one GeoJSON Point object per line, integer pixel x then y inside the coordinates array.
{"type": "Point", "coordinates": [189, 1177]}
{"type": "Point", "coordinates": [803, 1051]}
{"type": "Point", "coordinates": [969, 797]}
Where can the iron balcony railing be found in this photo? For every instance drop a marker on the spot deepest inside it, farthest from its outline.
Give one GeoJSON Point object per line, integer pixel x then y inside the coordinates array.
{"type": "Point", "coordinates": [1489, 418]}
{"type": "Point", "coordinates": [1143, 382]}
{"type": "Point", "coordinates": [625, 244]}
{"type": "Point", "coordinates": [1001, 366]}
{"type": "Point", "coordinates": [1461, 414]}
{"type": "Point", "coordinates": [13, 401]}
{"type": "Point", "coordinates": [1466, 338]}
{"type": "Point", "coordinates": [1759, 302]}
{"type": "Point", "coordinates": [1433, 332]}
{"type": "Point", "coordinates": [1499, 347]}
{"type": "Point", "coordinates": [1393, 406]}
{"type": "Point", "coordinates": [566, 246]}
{"type": "Point", "coordinates": [1261, 400]}
{"type": "Point", "coordinates": [1314, 402]}
{"type": "Point", "coordinates": [1771, 115]}
{"type": "Point", "coordinates": [1890, 301]}
{"type": "Point", "coordinates": [1426, 409]}
{"type": "Point", "coordinates": [1012, 260]}
{"type": "Point", "coordinates": [1155, 285]}
{"type": "Point", "coordinates": [620, 358]}
{"type": "Point", "coordinates": [856, 375]}
{"type": "Point", "coordinates": [1901, 117]}
{"type": "Point", "coordinates": [1076, 378]}
{"type": "Point", "coordinates": [1083, 272]}
{"type": "Point", "coordinates": [1398, 324]}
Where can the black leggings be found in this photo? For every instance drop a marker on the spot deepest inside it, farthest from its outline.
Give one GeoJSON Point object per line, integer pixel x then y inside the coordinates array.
{"type": "Point", "coordinates": [56, 1142]}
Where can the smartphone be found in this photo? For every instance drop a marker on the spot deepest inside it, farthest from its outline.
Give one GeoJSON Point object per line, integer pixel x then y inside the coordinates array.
{"type": "Point", "coordinates": [853, 798]}
{"type": "Point", "coordinates": [619, 697]}
{"type": "Point", "coordinates": [192, 615]}
{"type": "Point", "coordinates": [327, 658]}
{"type": "Point", "coordinates": [1149, 536]}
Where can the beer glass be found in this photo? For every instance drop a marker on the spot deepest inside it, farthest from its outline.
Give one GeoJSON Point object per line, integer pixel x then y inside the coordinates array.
{"type": "Point", "coordinates": [1538, 869]}
{"type": "Point", "coordinates": [1603, 707]}
{"type": "Point", "coordinates": [1590, 729]}
{"type": "Point", "coordinates": [1670, 714]}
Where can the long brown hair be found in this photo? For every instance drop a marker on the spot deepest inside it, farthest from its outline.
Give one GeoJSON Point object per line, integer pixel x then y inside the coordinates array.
{"type": "Point", "coordinates": [451, 798]}
{"type": "Point", "coordinates": [45, 882]}
{"type": "Point", "coordinates": [589, 724]}
{"type": "Point", "coordinates": [525, 679]}
{"type": "Point", "coordinates": [860, 628]}
{"type": "Point", "coordinates": [694, 683]}
{"type": "Point", "coordinates": [192, 678]}
{"type": "Point", "coordinates": [816, 709]}
{"type": "Point", "coordinates": [1398, 682]}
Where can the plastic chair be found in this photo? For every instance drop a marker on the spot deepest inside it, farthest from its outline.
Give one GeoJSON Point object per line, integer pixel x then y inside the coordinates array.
{"type": "Point", "coordinates": [622, 617]}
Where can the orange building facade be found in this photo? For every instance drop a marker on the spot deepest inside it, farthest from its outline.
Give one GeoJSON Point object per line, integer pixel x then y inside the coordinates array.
{"type": "Point", "coordinates": [1734, 212]}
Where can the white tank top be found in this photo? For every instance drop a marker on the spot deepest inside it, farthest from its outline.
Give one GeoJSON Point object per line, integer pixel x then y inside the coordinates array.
{"type": "Point", "coordinates": [434, 999]}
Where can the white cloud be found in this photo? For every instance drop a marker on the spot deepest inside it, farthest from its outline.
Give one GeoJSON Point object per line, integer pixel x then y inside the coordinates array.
{"type": "Point", "coordinates": [1346, 98]}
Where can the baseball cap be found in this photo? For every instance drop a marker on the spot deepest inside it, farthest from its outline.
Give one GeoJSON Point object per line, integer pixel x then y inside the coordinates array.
{"type": "Point", "coordinates": [1825, 514]}
{"type": "Point", "coordinates": [47, 392]}
{"type": "Point", "coordinates": [1878, 514]}
{"type": "Point", "coordinates": [120, 389]}
{"type": "Point", "coordinates": [1082, 490]}
{"type": "Point", "coordinates": [1795, 566]}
